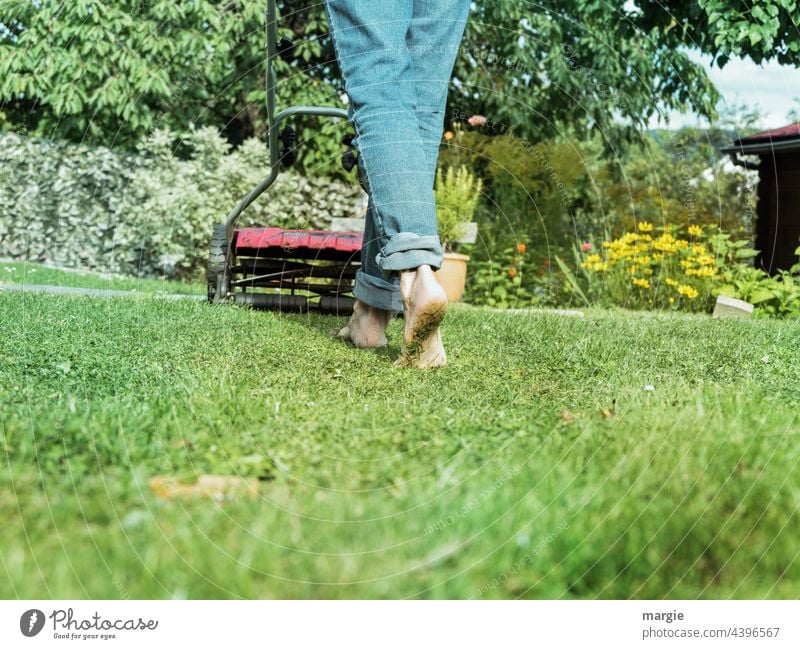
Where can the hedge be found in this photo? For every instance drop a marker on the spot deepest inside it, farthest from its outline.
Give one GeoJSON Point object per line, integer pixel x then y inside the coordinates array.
{"type": "Point", "coordinates": [149, 213]}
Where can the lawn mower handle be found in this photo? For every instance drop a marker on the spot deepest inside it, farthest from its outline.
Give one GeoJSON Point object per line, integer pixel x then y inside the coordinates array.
{"type": "Point", "coordinates": [274, 120]}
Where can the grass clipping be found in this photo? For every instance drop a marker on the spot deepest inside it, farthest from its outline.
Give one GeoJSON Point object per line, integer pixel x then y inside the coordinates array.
{"type": "Point", "coordinates": [216, 487]}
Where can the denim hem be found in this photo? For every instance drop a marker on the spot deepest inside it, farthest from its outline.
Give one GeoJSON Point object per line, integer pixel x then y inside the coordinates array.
{"type": "Point", "coordinates": [377, 292]}
{"type": "Point", "coordinates": [407, 250]}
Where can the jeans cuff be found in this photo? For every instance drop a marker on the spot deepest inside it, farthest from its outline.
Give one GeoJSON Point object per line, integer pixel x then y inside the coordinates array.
{"type": "Point", "coordinates": [406, 250]}
{"type": "Point", "coordinates": [377, 292]}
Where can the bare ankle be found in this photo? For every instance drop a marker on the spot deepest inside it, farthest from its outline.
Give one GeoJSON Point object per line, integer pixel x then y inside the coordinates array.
{"type": "Point", "coordinates": [407, 278]}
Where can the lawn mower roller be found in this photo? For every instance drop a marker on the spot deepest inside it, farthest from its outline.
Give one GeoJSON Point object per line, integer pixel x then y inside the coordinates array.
{"type": "Point", "coordinates": [273, 268]}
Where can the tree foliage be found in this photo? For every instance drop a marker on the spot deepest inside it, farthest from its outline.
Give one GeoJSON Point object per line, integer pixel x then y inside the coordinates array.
{"type": "Point", "coordinates": [764, 30]}
{"type": "Point", "coordinates": [537, 66]}
{"type": "Point", "coordinates": [111, 71]}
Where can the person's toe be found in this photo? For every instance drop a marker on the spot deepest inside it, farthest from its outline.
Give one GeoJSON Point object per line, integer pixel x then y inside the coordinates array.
{"type": "Point", "coordinates": [344, 333]}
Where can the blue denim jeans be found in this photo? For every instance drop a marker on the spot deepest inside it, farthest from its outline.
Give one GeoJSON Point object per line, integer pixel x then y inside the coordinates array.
{"type": "Point", "coordinates": [396, 57]}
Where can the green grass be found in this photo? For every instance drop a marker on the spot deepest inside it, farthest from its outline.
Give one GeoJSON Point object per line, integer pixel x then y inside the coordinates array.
{"type": "Point", "coordinates": [381, 482]}
{"type": "Point", "coordinates": [26, 272]}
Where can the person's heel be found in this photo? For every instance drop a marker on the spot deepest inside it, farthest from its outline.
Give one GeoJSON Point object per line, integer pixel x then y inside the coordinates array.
{"type": "Point", "coordinates": [425, 303]}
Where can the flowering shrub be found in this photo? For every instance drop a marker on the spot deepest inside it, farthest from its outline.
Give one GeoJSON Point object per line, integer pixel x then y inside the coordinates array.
{"type": "Point", "coordinates": [654, 268]}
{"type": "Point", "coordinates": [511, 280]}
{"type": "Point", "coordinates": [667, 268]}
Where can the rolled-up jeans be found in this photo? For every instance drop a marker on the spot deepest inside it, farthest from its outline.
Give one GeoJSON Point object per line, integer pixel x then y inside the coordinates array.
{"type": "Point", "coordinates": [396, 57]}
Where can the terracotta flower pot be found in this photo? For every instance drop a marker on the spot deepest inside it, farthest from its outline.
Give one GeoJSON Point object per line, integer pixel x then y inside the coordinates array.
{"type": "Point", "coordinates": [453, 275]}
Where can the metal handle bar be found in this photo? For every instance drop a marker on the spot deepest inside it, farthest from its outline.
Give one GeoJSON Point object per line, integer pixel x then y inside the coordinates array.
{"type": "Point", "coordinates": [274, 120]}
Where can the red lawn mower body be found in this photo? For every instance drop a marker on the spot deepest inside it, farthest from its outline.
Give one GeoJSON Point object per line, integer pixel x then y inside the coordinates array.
{"type": "Point", "coordinates": [273, 268]}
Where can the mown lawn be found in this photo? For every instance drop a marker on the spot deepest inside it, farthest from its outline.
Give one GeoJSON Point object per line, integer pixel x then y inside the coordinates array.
{"type": "Point", "coordinates": [535, 465]}
{"type": "Point", "coordinates": [26, 272]}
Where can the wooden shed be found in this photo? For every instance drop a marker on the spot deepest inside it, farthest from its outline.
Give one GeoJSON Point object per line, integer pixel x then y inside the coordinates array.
{"type": "Point", "coordinates": [777, 227]}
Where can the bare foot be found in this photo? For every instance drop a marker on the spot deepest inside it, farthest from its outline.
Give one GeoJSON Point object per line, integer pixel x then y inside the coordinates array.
{"type": "Point", "coordinates": [425, 304]}
{"type": "Point", "coordinates": [367, 326]}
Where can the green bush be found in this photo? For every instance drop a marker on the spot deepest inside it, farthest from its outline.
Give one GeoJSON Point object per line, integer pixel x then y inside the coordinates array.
{"type": "Point", "coordinates": [148, 214]}
{"type": "Point", "coordinates": [774, 296]}
{"type": "Point", "coordinates": [667, 268]}
{"type": "Point", "coordinates": [457, 194]}
{"type": "Point", "coordinates": [560, 193]}
{"type": "Point", "coordinates": [515, 278]}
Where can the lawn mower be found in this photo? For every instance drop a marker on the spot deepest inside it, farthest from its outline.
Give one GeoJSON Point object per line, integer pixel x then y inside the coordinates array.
{"type": "Point", "coordinates": [274, 268]}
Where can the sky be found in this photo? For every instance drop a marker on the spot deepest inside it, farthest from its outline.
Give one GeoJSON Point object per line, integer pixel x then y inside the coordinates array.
{"type": "Point", "coordinates": [772, 87]}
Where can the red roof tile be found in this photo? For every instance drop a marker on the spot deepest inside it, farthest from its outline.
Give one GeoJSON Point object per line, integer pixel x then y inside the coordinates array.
{"type": "Point", "coordinates": [789, 131]}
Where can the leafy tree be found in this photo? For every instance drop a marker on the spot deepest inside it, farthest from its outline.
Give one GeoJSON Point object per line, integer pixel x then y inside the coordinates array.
{"type": "Point", "coordinates": [764, 30]}
{"type": "Point", "coordinates": [536, 66]}
{"type": "Point", "coordinates": [111, 71]}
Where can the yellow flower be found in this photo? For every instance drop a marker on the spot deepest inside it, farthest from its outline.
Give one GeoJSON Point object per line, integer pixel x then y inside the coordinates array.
{"type": "Point", "coordinates": [638, 281]}
{"type": "Point", "coordinates": [644, 226]}
{"type": "Point", "coordinates": [670, 282]}
{"type": "Point", "coordinates": [665, 243]}
{"type": "Point", "coordinates": [594, 262]}
{"type": "Point", "coordinates": [671, 300]}
{"type": "Point", "coordinates": [688, 291]}
{"type": "Point", "coordinates": [705, 260]}
{"type": "Point", "coordinates": [706, 271]}
{"type": "Point", "coordinates": [699, 249]}
{"type": "Point", "coordinates": [695, 230]}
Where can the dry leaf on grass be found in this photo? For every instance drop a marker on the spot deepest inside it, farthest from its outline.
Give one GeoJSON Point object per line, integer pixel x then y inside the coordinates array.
{"type": "Point", "coordinates": [218, 487]}
{"type": "Point", "coordinates": [567, 417]}
{"type": "Point", "coordinates": [610, 411]}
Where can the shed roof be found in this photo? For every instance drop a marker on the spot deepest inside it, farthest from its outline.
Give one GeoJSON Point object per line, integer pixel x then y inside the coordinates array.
{"type": "Point", "coordinates": [785, 138]}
